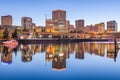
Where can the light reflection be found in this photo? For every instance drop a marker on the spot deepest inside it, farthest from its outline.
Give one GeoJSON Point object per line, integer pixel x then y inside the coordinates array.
{"type": "Point", "coordinates": [26, 53]}
{"type": "Point", "coordinates": [6, 56]}
{"type": "Point", "coordinates": [58, 53]}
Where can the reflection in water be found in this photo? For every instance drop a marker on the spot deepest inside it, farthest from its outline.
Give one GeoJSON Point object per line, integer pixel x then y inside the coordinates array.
{"type": "Point", "coordinates": [59, 61]}
{"type": "Point", "coordinates": [26, 53]}
{"type": "Point", "coordinates": [58, 53]}
{"type": "Point", "coordinates": [79, 51]}
{"type": "Point", "coordinates": [6, 56]}
{"type": "Point", "coordinates": [111, 51]}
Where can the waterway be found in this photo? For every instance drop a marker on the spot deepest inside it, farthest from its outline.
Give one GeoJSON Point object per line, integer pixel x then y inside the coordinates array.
{"type": "Point", "coordinates": [60, 61]}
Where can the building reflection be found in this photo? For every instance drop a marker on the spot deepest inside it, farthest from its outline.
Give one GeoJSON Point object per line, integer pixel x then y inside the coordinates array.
{"type": "Point", "coordinates": [50, 52]}
{"type": "Point", "coordinates": [6, 56]}
{"type": "Point", "coordinates": [111, 51]}
{"type": "Point", "coordinates": [58, 53]}
{"type": "Point", "coordinates": [79, 51]}
{"type": "Point", "coordinates": [15, 50]}
{"type": "Point", "coordinates": [26, 53]}
{"type": "Point", "coordinates": [101, 49]}
{"type": "Point", "coordinates": [59, 61]}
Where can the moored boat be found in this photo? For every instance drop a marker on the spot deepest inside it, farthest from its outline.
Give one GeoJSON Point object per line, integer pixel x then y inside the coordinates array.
{"type": "Point", "coordinates": [10, 43]}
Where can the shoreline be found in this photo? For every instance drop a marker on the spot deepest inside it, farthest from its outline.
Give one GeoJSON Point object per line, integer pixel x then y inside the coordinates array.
{"type": "Point", "coordinates": [58, 40]}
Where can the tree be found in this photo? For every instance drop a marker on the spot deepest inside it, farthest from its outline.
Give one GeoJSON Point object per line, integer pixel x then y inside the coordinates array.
{"type": "Point", "coordinates": [14, 34]}
{"type": "Point", "coordinates": [6, 33]}
{"type": "Point", "coordinates": [43, 29]}
{"type": "Point", "coordinates": [36, 35]}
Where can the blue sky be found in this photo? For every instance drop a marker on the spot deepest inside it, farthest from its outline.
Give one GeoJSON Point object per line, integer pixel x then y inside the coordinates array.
{"type": "Point", "coordinates": [92, 11]}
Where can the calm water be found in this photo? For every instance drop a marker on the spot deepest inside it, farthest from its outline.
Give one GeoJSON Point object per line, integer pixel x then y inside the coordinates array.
{"type": "Point", "coordinates": [73, 61]}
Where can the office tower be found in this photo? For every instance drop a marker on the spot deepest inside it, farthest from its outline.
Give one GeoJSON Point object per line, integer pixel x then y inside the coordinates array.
{"type": "Point", "coordinates": [26, 23]}
{"type": "Point", "coordinates": [79, 24]}
{"type": "Point", "coordinates": [112, 26]}
{"type": "Point", "coordinates": [67, 24]}
{"type": "Point", "coordinates": [33, 25]}
{"type": "Point", "coordinates": [71, 27]}
{"type": "Point", "coordinates": [100, 27]}
{"type": "Point", "coordinates": [49, 23]}
{"type": "Point", "coordinates": [6, 20]}
{"type": "Point", "coordinates": [59, 16]}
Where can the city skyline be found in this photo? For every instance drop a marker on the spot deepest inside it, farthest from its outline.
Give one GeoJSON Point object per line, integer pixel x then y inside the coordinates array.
{"type": "Point", "coordinates": [92, 12]}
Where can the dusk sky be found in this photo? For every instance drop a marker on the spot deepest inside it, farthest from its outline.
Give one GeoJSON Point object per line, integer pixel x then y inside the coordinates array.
{"type": "Point", "coordinates": [92, 11]}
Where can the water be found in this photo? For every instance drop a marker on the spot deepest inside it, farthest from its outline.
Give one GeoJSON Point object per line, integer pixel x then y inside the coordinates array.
{"type": "Point", "coordinates": [73, 61]}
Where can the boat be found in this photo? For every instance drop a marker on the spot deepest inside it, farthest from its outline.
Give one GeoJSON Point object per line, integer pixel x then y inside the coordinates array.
{"type": "Point", "coordinates": [11, 43]}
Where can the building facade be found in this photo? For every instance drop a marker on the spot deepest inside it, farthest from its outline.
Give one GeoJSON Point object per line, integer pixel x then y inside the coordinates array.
{"type": "Point", "coordinates": [112, 26]}
{"type": "Point", "coordinates": [100, 27]}
{"type": "Point", "coordinates": [79, 24]}
{"type": "Point", "coordinates": [49, 22]}
{"type": "Point", "coordinates": [67, 24]}
{"type": "Point", "coordinates": [6, 20]}
{"type": "Point", "coordinates": [59, 17]}
{"type": "Point", "coordinates": [26, 23]}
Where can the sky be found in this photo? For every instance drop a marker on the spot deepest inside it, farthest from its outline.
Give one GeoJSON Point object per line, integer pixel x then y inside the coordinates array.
{"type": "Point", "coordinates": [92, 11]}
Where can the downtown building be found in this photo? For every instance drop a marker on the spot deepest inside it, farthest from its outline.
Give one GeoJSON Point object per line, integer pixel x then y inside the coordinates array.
{"type": "Point", "coordinates": [59, 16]}
{"type": "Point", "coordinates": [100, 27]}
{"type": "Point", "coordinates": [49, 22]}
{"type": "Point", "coordinates": [111, 26]}
{"type": "Point", "coordinates": [27, 26]}
{"type": "Point", "coordinates": [67, 24]}
{"type": "Point", "coordinates": [6, 20]}
{"type": "Point", "coordinates": [50, 27]}
{"type": "Point", "coordinates": [57, 23]}
{"type": "Point", "coordinates": [26, 23]}
{"type": "Point", "coordinates": [71, 27]}
{"type": "Point", "coordinates": [79, 24]}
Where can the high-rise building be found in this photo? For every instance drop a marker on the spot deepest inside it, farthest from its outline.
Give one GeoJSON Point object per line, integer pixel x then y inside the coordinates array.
{"type": "Point", "coordinates": [33, 25]}
{"type": "Point", "coordinates": [49, 22]}
{"type": "Point", "coordinates": [100, 27]}
{"type": "Point", "coordinates": [6, 20]}
{"type": "Point", "coordinates": [67, 24]}
{"type": "Point", "coordinates": [71, 27]}
{"type": "Point", "coordinates": [79, 24]}
{"type": "Point", "coordinates": [26, 22]}
{"type": "Point", "coordinates": [59, 16]}
{"type": "Point", "coordinates": [112, 26]}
